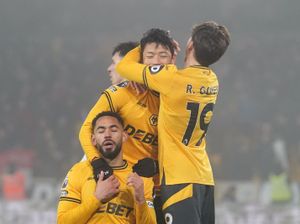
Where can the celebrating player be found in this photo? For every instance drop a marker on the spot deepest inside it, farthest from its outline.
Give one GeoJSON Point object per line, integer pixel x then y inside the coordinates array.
{"type": "Point", "coordinates": [139, 111]}
{"type": "Point", "coordinates": [118, 195]}
{"type": "Point", "coordinates": [187, 99]}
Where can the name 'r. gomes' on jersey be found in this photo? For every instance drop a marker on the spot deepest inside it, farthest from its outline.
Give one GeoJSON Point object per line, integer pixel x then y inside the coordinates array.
{"type": "Point", "coordinates": [208, 90]}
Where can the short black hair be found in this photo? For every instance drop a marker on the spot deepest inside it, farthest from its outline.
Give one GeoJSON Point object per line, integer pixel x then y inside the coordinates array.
{"type": "Point", "coordinates": [158, 36]}
{"type": "Point", "coordinates": [124, 48]}
{"type": "Point", "coordinates": [210, 41]}
{"type": "Point", "coordinates": [110, 114]}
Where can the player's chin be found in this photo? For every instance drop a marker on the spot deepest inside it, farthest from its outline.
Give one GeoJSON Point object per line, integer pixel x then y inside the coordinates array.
{"type": "Point", "coordinates": [109, 148]}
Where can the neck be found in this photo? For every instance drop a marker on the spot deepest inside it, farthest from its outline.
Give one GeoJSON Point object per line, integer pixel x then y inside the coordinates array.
{"type": "Point", "coordinates": [118, 161]}
{"type": "Point", "coordinates": [190, 60]}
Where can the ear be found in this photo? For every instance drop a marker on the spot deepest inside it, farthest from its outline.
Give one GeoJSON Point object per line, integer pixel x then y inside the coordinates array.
{"type": "Point", "coordinates": [124, 136]}
{"type": "Point", "coordinates": [94, 142]}
{"type": "Point", "coordinates": [189, 45]}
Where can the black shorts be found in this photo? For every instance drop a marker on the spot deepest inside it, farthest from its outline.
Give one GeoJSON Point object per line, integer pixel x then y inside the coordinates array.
{"type": "Point", "coordinates": [158, 210]}
{"type": "Point", "coordinates": [188, 204]}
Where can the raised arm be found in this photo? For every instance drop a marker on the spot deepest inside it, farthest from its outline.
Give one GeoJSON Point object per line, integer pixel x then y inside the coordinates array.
{"type": "Point", "coordinates": [155, 77]}
{"type": "Point", "coordinates": [112, 99]}
{"type": "Point", "coordinates": [130, 68]}
{"type": "Point", "coordinates": [86, 128]}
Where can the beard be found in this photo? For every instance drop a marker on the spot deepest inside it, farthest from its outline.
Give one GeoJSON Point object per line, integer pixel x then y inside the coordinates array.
{"type": "Point", "coordinates": [110, 154]}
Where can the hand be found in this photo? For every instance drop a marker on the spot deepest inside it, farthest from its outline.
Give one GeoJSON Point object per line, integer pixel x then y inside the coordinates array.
{"type": "Point", "coordinates": [101, 165]}
{"type": "Point", "coordinates": [137, 183]}
{"type": "Point", "coordinates": [138, 87]}
{"type": "Point", "coordinates": [107, 189]}
{"type": "Point", "coordinates": [146, 167]}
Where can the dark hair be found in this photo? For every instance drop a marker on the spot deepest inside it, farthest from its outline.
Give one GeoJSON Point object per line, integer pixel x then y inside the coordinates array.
{"type": "Point", "coordinates": [158, 36]}
{"type": "Point", "coordinates": [124, 48]}
{"type": "Point", "coordinates": [210, 42]}
{"type": "Point", "coordinates": [110, 114]}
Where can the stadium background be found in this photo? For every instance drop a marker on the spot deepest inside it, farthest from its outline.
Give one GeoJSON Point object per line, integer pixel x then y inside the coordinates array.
{"type": "Point", "coordinates": [53, 60]}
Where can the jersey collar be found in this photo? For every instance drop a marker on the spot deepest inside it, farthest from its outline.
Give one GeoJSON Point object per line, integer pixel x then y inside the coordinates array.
{"type": "Point", "coordinates": [124, 166]}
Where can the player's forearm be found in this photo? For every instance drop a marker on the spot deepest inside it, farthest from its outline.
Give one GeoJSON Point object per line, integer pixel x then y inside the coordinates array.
{"type": "Point", "coordinates": [86, 142]}
{"type": "Point", "coordinates": [86, 129]}
{"type": "Point", "coordinates": [79, 215]}
{"type": "Point", "coordinates": [145, 213]}
{"type": "Point", "coordinates": [130, 68]}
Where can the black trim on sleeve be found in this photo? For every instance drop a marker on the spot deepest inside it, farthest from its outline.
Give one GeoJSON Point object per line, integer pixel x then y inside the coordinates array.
{"type": "Point", "coordinates": [70, 199]}
{"type": "Point", "coordinates": [109, 101]}
{"type": "Point", "coordinates": [154, 93]}
{"type": "Point", "coordinates": [145, 77]}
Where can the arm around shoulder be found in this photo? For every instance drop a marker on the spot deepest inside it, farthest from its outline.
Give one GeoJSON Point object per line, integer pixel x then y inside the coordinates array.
{"type": "Point", "coordinates": [130, 68]}
{"type": "Point", "coordinates": [86, 129]}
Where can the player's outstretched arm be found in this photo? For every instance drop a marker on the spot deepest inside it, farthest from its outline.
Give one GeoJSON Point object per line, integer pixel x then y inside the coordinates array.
{"type": "Point", "coordinates": [130, 68]}
{"type": "Point", "coordinates": [86, 132]}
{"type": "Point", "coordinates": [156, 77]}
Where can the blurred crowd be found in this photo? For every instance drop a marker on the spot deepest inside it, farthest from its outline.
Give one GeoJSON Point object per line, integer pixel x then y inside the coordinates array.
{"type": "Point", "coordinates": [257, 121]}
{"type": "Point", "coordinates": [45, 91]}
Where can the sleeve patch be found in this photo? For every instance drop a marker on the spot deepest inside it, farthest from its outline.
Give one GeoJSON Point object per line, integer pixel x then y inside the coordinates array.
{"type": "Point", "coordinates": [155, 69]}
{"type": "Point", "coordinates": [65, 183]}
{"type": "Point", "coordinates": [64, 193]}
{"type": "Point", "coordinates": [113, 89]}
{"type": "Point", "coordinates": [123, 84]}
{"type": "Point", "coordinates": [150, 204]}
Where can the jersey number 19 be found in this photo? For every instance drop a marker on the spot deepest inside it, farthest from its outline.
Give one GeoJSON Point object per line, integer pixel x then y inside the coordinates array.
{"type": "Point", "coordinates": [194, 108]}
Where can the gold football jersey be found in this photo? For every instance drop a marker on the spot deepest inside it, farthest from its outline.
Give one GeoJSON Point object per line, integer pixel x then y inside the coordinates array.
{"type": "Point", "coordinates": [77, 203]}
{"type": "Point", "coordinates": [187, 99]}
{"type": "Point", "coordinates": [140, 114]}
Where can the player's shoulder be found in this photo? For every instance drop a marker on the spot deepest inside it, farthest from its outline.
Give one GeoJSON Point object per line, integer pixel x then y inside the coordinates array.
{"type": "Point", "coordinates": [80, 167]}
{"type": "Point", "coordinates": [155, 69]}
{"type": "Point", "coordinates": [118, 88]}
{"type": "Point", "coordinates": [199, 69]}
{"type": "Point", "coordinates": [75, 177]}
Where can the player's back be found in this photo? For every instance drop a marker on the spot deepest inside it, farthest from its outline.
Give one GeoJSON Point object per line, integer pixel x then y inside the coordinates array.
{"type": "Point", "coordinates": [185, 113]}
{"type": "Point", "coordinates": [187, 98]}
